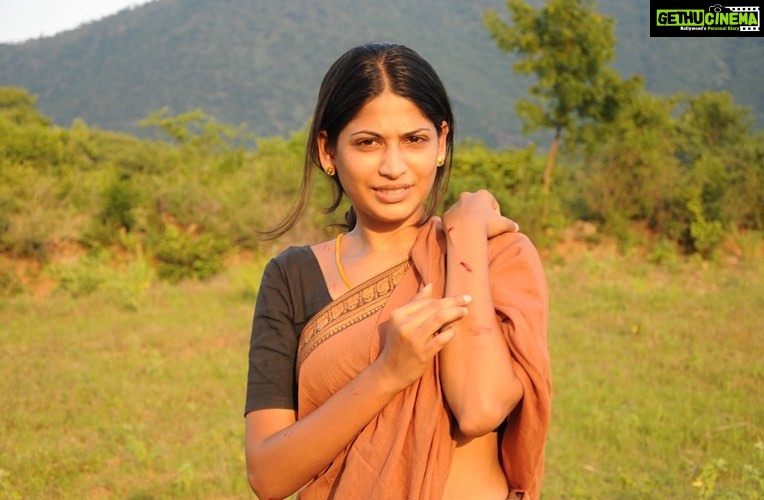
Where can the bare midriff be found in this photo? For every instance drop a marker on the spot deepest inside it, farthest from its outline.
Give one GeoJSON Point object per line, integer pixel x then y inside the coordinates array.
{"type": "Point", "coordinates": [475, 470]}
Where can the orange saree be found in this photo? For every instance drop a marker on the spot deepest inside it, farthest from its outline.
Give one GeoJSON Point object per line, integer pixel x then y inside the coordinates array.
{"type": "Point", "coordinates": [406, 450]}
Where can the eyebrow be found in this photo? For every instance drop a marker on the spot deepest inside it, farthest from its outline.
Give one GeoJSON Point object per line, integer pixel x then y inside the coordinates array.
{"type": "Point", "coordinates": [376, 134]}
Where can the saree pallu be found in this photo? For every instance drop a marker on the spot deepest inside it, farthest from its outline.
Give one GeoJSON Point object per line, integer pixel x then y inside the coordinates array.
{"type": "Point", "coordinates": [405, 451]}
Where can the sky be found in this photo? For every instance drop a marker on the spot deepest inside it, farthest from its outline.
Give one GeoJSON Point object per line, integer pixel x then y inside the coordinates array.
{"type": "Point", "coordinates": [24, 19]}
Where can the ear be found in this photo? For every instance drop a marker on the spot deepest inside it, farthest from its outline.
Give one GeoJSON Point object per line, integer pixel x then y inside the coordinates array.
{"type": "Point", "coordinates": [442, 137]}
{"type": "Point", "coordinates": [325, 154]}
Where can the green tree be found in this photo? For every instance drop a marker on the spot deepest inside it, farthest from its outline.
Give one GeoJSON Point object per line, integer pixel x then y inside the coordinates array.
{"type": "Point", "coordinates": [722, 161]}
{"type": "Point", "coordinates": [712, 133]}
{"type": "Point", "coordinates": [25, 134]}
{"type": "Point", "coordinates": [688, 166]}
{"type": "Point", "coordinates": [197, 130]}
{"type": "Point", "coordinates": [19, 106]}
{"type": "Point", "coordinates": [632, 172]}
{"type": "Point", "coordinates": [567, 46]}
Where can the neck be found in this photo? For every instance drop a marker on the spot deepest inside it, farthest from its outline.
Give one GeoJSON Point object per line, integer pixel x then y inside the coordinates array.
{"type": "Point", "coordinates": [373, 241]}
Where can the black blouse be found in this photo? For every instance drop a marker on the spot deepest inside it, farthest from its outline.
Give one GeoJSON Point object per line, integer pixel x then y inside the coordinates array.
{"type": "Point", "coordinates": [292, 291]}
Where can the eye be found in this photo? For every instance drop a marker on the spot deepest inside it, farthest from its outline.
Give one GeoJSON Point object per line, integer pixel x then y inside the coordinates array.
{"type": "Point", "coordinates": [366, 142]}
{"type": "Point", "coordinates": [417, 139]}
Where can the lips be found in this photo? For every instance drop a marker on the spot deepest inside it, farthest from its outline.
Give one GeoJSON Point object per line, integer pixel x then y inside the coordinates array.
{"type": "Point", "coordinates": [392, 193]}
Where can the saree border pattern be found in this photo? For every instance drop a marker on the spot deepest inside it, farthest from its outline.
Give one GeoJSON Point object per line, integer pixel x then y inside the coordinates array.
{"type": "Point", "coordinates": [351, 308]}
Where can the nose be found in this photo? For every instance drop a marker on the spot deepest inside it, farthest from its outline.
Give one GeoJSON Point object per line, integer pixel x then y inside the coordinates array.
{"type": "Point", "coordinates": [393, 163]}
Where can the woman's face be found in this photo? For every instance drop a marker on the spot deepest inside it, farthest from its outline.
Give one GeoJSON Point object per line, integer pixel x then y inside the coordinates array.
{"type": "Point", "coordinates": [386, 158]}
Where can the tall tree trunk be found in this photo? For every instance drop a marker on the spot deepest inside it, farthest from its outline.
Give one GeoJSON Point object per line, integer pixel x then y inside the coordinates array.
{"type": "Point", "coordinates": [550, 157]}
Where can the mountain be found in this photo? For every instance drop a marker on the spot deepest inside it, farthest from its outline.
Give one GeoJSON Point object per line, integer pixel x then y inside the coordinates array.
{"type": "Point", "coordinates": [260, 62]}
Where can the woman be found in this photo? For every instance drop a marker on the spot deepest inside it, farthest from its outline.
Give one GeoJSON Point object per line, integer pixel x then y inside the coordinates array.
{"type": "Point", "coordinates": [407, 358]}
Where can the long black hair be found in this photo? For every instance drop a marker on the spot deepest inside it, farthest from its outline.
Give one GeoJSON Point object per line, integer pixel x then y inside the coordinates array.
{"type": "Point", "coordinates": [358, 76]}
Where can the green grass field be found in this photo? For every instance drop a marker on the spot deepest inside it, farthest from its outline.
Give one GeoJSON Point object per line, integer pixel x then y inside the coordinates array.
{"type": "Point", "coordinates": [658, 376]}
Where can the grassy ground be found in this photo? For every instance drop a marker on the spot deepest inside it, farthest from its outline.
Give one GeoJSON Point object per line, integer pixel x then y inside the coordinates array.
{"type": "Point", "coordinates": [658, 375]}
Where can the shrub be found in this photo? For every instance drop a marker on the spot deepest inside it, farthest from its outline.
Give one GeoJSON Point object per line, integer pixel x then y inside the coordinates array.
{"type": "Point", "coordinates": [663, 252]}
{"type": "Point", "coordinates": [123, 283]}
{"type": "Point", "coordinates": [706, 235]}
{"type": "Point", "coordinates": [183, 255]}
{"type": "Point", "coordinates": [10, 284]}
{"type": "Point", "coordinates": [85, 276]}
{"type": "Point", "coordinates": [120, 199]}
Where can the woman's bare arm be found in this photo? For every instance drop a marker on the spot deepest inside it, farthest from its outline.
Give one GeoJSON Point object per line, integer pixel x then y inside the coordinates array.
{"type": "Point", "coordinates": [476, 367]}
{"type": "Point", "coordinates": [284, 454]}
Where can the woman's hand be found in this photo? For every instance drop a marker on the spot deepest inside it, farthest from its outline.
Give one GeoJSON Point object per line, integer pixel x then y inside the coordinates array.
{"type": "Point", "coordinates": [480, 209]}
{"type": "Point", "coordinates": [276, 461]}
{"type": "Point", "coordinates": [416, 332]}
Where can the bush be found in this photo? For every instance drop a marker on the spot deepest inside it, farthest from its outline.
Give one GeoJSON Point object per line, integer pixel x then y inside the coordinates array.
{"type": "Point", "coordinates": [514, 177]}
{"type": "Point", "coordinates": [120, 199]}
{"type": "Point", "coordinates": [183, 255]}
{"type": "Point", "coordinates": [29, 234]}
{"type": "Point", "coordinates": [10, 284]}
{"type": "Point", "coordinates": [664, 251]}
{"type": "Point", "coordinates": [124, 282]}
{"type": "Point", "coordinates": [85, 276]}
{"type": "Point", "coordinates": [120, 202]}
{"type": "Point", "coordinates": [706, 235]}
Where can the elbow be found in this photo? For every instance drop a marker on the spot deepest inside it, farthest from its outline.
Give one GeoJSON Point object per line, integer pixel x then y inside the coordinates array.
{"type": "Point", "coordinates": [474, 424]}
{"type": "Point", "coordinates": [487, 414]}
{"type": "Point", "coordinates": [254, 484]}
{"type": "Point", "coordinates": [264, 491]}
{"type": "Point", "coordinates": [262, 484]}
{"type": "Point", "coordinates": [258, 486]}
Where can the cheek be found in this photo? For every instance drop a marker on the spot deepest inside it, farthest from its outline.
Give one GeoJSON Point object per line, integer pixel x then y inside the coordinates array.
{"type": "Point", "coordinates": [350, 170]}
{"type": "Point", "coordinates": [357, 165]}
{"type": "Point", "coordinates": [426, 167]}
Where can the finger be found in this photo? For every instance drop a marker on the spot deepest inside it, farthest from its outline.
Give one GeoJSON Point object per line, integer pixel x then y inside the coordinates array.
{"type": "Point", "coordinates": [426, 291]}
{"type": "Point", "coordinates": [446, 330]}
{"type": "Point", "coordinates": [417, 302]}
{"type": "Point", "coordinates": [437, 342]}
{"type": "Point", "coordinates": [452, 301]}
{"type": "Point", "coordinates": [434, 319]}
{"type": "Point", "coordinates": [417, 315]}
{"type": "Point", "coordinates": [485, 194]}
{"type": "Point", "coordinates": [504, 224]}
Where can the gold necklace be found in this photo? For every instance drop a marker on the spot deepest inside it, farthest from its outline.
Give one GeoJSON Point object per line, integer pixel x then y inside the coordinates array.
{"type": "Point", "coordinates": [339, 262]}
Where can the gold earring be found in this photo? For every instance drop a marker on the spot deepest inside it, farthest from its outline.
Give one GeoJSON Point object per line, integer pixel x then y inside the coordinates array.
{"type": "Point", "coordinates": [441, 161]}
{"type": "Point", "coordinates": [330, 171]}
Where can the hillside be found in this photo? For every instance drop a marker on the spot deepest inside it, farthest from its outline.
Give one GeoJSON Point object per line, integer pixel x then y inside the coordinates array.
{"type": "Point", "coordinates": [260, 62]}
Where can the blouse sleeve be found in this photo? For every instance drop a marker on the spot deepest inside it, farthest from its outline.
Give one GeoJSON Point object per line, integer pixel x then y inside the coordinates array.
{"type": "Point", "coordinates": [292, 291]}
{"type": "Point", "coordinates": [273, 345]}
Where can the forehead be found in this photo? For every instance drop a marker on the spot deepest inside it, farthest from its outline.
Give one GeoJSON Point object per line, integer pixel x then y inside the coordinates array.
{"type": "Point", "coordinates": [389, 111]}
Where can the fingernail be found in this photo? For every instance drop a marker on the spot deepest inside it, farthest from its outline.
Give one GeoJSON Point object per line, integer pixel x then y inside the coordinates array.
{"type": "Point", "coordinates": [467, 298]}
{"type": "Point", "coordinates": [517, 227]}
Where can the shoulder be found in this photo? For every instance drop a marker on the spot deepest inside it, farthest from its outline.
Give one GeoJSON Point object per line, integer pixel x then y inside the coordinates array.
{"type": "Point", "coordinates": [284, 268]}
{"type": "Point", "coordinates": [292, 255]}
{"type": "Point", "coordinates": [515, 251]}
{"type": "Point", "coordinates": [293, 277]}
{"type": "Point", "coordinates": [289, 260]}
{"type": "Point", "coordinates": [511, 242]}
{"type": "Point", "coordinates": [295, 269]}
